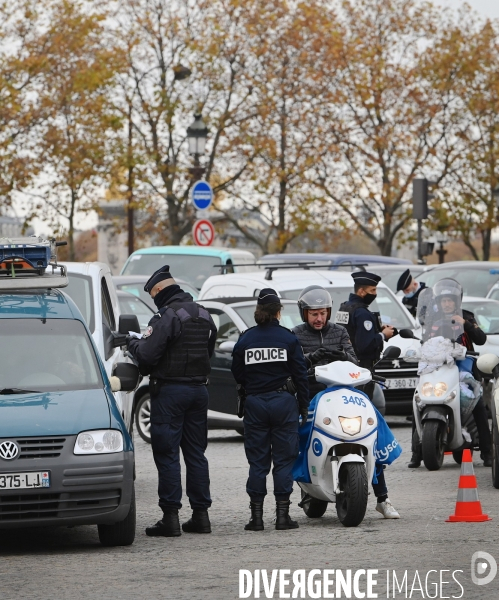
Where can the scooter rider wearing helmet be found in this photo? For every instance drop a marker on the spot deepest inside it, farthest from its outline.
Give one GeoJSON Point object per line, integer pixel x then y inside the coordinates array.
{"type": "Point", "coordinates": [411, 290]}
{"type": "Point", "coordinates": [264, 359]}
{"type": "Point", "coordinates": [452, 322]}
{"type": "Point", "coordinates": [324, 342]}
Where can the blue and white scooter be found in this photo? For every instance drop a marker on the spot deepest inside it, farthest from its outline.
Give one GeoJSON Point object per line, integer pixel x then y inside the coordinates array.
{"type": "Point", "coordinates": [338, 444]}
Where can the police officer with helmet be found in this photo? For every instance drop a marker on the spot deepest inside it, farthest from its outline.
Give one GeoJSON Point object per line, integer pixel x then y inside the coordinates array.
{"type": "Point", "coordinates": [364, 327]}
{"type": "Point", "coordinates": [266, 359]}
{"type": "Point", "coordinates": [324, 342]}
{"type": "Point", "coordinates": [411, 290]}
{"type": "Point", "coordinates": [175, 352]}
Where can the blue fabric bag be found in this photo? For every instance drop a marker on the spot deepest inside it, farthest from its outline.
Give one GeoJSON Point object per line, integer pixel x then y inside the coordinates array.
{"type": "Point", "coordinates": [386, 448]}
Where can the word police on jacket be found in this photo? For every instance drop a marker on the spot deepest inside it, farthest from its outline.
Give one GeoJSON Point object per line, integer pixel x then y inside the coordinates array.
{"type": "Point", "coordinates": [261, 355]}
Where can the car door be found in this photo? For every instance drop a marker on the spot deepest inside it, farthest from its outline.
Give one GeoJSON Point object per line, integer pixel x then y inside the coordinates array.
{"type": "Point", "coordinates": [222, 389]}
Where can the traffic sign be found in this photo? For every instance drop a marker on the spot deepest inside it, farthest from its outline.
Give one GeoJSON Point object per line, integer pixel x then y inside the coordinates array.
{"type": "Point", "coordinates": [203, 233]}
{"type": "Point", "coordinates": [202, 195]}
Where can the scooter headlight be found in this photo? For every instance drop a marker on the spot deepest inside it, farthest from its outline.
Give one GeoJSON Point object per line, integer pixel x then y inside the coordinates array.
{"type": "Point", "coordinates": [350, 425]}
{"type": "Point", "coordinates": [440, 389]}
{"type": "Point", "coordinates": [427, 389]}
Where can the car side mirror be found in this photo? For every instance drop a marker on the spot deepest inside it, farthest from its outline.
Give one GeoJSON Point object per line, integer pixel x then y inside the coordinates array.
{"type": "Point", "coordinates": [125, 377]}
{"type": "Point", "coordinates": [407, 334]}
{"type": "Point", "coordinates": [392, 352]}
{"type": "Point", "coordinates": [128, 323]}
{"type": "Point", "coordinates": [227, 346]}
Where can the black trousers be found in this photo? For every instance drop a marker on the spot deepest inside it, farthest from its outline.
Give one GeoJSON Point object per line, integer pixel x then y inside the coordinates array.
{"type": "Point", "coordinates": [179, 419]}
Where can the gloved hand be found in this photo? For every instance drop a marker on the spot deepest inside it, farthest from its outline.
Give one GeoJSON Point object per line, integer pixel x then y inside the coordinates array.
{"type": "Point", "coordinates": [337, 355]}
{"type": "Point", "coordinates": [317, 356]}
{"type": "Point", "coordinates": [304, 415]}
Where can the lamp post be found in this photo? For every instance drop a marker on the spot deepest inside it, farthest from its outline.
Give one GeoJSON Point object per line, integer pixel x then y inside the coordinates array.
{"type": "Point", "coordinates": [197, 133]}
{"type": "Point", "coordinates": [442, 240]}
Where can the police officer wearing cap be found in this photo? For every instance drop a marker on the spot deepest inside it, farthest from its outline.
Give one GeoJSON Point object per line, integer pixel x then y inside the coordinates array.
{"type": "Point", "coordinates": [265, 358]}
{"type": "Point", "coordinates": [411, 290]}
{"type": "Point", "coordinates": [175, 352]}
{"type": "Point", "coordinates": [364, 327]}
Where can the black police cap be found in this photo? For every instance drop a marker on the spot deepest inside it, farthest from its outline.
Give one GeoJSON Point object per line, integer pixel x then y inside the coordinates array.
{"type": "Point", "coordinates": [365, 278]}
{"type": "Point", "coordinates": [404, 280]}
{"type": "Point", "coordinates": [156, 277]}
{"type": "Point", "coordinates": [268, 296]}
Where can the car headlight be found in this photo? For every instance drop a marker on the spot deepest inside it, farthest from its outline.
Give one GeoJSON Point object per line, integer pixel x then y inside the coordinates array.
{"type": "Point", "coordinates": [350, 425]}
{"type": "Point", "coordinates": [427, 389]}
{"type": "Point", "coordinates": [440, 389]}
{"type": "Point", "coordinates": [100, 441]}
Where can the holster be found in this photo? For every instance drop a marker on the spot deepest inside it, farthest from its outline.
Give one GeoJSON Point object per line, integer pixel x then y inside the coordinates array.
{"type": "Point", "coordinates": [241, 399]}
{"type": "Point", "coordinates": [154, 386]}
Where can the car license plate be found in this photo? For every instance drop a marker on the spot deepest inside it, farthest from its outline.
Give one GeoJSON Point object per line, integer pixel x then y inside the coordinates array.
{"type": "Point", "coordinates": [24, 481]}
{"type": "Point", "coordinates": [402, 383]}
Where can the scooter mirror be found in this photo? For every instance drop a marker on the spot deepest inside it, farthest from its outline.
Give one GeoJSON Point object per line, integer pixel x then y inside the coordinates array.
{"type": "Point", "coordinates": [392, 352]}
{"type": "Point", "coordinates": [407, 334]}
{"type": "Point", "coordinates": [487, 363]}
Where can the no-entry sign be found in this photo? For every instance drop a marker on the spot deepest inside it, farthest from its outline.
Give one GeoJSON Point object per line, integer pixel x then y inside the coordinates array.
{"type": "Point", "coordinates": [203, 233]}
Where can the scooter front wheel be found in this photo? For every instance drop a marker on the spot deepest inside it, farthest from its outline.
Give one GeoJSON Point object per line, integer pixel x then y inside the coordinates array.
{"type": "Point", "coordinates": [432, 444]}
{"type": "Point", "coordinates": [313, 508]}
{"type": "Point", "coordinates": [351, 502]}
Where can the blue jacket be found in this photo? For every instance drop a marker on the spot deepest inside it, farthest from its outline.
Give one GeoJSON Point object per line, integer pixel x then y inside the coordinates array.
{"type": "Point", "coordinates": [265, 356]}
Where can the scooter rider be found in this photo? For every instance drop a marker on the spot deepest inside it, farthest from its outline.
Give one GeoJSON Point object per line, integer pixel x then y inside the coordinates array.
{"type": "Point", "coordinates": [324, 342]}
{"type": "Point", "coordinates": [411, 289]}
{"type": "Point", "coordinates": [264, 359]}
{"type": "Point", "coordinates": [455, 323]}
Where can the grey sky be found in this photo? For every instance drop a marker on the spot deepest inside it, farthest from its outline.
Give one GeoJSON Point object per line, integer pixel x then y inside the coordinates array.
{"type": "Point", "coordinates": [485, 8]}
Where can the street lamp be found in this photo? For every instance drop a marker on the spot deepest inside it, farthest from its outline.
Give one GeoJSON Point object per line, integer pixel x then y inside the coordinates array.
{"type": "Point", "coordinates": [196, 137]}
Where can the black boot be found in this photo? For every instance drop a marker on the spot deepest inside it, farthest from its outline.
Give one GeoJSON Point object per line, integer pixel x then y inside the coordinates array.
{"type": "Point", "coordinates": [283, 520]}
{"type": "Point", "coordinates": [487, 458]}
{"type": "Point", "coordinates": [169, 526]}
{"type": "Point", "coordinates": [256, 521]}
{"type": "Point", "coordinates": [415, 461]}
{"type": "Point", "coordinates": [198, 523]}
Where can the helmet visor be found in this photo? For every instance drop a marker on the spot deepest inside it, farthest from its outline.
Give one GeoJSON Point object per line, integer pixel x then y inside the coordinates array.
{"type": "Point", "coordinates": [315, 299]}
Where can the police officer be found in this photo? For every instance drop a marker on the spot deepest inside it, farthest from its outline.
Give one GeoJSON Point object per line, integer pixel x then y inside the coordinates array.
{"type": "Point", "coordinates": [411, 290]}
{"type": "Point", "coordinates": [175, 351]}
{"type": "Point", "coordinates": [264, 359]}
{"type": "Point", "coordinates": [364, 327]}
{"type": "Point", "coordinates": [323, 342]}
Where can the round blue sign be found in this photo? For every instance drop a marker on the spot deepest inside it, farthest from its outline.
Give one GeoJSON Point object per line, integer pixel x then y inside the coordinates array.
{"type": "Point", "coordinates": [202, 195]}
{"type": "Point", "coordinates": [317, 446]}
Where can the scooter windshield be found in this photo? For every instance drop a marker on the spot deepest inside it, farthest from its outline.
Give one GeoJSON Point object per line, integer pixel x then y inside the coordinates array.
{"type": "Point", "coordinates": [439, 311]}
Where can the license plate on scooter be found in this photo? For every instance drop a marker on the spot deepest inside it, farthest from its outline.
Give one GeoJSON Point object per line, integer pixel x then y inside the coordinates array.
{"type": "Point", "coordinates": [402, 383]}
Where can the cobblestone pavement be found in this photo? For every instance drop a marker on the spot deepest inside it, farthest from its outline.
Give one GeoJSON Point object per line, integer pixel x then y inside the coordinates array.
{"type": "Point", "coordinates": [68, 564]}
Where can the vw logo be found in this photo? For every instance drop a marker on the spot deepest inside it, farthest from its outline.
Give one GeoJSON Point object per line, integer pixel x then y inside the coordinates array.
{"type": "Point", "coordinates": [8, 450]}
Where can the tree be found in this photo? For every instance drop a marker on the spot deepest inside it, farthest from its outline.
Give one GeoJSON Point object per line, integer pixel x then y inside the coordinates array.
{"type": "Point", "coordinates": [75, 141]}
{"type": "Point", "coordinates": [385, 121]}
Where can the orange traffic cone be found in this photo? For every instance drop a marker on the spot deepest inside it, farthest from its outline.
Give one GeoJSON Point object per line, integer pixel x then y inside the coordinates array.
{"type": "Point", "coordinates": [468, 507]}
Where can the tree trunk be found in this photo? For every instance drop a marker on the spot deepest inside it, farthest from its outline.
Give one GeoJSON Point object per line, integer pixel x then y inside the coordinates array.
{"type": "Point", "coordinates": [486, 241]}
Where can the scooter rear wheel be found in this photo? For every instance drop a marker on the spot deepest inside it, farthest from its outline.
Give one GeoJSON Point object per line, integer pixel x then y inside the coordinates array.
{"type": "Point", "coordinates": [351, 502]}
{"type": "Point", "coordinates": [433, 444]}
{"type": "Point", "coordinates": [313, 508]}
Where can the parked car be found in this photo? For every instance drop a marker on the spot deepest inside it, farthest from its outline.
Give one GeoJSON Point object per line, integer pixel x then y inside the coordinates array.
{"type": "Point", "coordinates": [134, 284]}
{"type": "Point", "coordinates": [486, 313]}
{"type": "Point", "coordinates": [66, 456]}
{"type": "Point", "coordinates": [131, 305]}
{"type": "Point", "coordinates": [190, 263]}
{"type": "Point", "coordinates": [401, 376]}
{"type": "Point", "coordinates": [92, 289]}
{"type": "Point", "coordinates": [333, 260]}
{"type": "Point", "coordinates": [477, 278]}
{"type": "Point", "coordinates": [390, 274]}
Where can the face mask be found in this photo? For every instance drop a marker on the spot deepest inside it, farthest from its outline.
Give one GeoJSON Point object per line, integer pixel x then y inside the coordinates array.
{"type": "Point", "coordinates": [411, 294]}
{"type": "Point", "coordinates": [369, 298]}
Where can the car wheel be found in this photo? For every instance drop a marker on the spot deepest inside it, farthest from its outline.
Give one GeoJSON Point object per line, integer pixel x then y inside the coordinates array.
{"type": "Point", "coordinates": [143, 417]}
{"type": "Point", "coordinates": [121, 533]}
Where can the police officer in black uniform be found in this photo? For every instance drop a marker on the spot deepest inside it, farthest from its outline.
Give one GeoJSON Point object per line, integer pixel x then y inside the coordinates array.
{"type": "Point", "coordinates": [175, 352]}
{"type": "Point", "coordinates": [411, 289]}
{"type": "Point", "coordinates": [265, 358]}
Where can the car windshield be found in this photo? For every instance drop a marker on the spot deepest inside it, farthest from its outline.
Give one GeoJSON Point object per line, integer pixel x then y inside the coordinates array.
{"type": "Point", "coordinates": [475, 280]}
{"type": "Point", "coordinates": [131, 305]}
{"type": "Point", "coordinates": [193, 268]}
{"type": "Point", "coordinates": [47, 355]}
{"type": "Point", "coordinates": [390, 309]}
{"type": "Point", "coordinates": [486, 315]}
{"type": "Point", "coordinates": [290, 315]}
{"type": "Point", "coordinates": [79, 290]}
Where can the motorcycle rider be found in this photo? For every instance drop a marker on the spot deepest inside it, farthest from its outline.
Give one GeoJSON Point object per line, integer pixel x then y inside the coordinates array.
{"type": "Point", "coordinates": [411, 289]}
{"type": "Point", "coordinates": [323, 342]}
{"type": "Point", "coordinates": [455, 323]}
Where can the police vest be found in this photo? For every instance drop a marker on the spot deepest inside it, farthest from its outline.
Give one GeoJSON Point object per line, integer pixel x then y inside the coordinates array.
{"type": "Point", "coordinates": [187, 356]}
{"type": "Point", "coordinates": [345, 317]}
